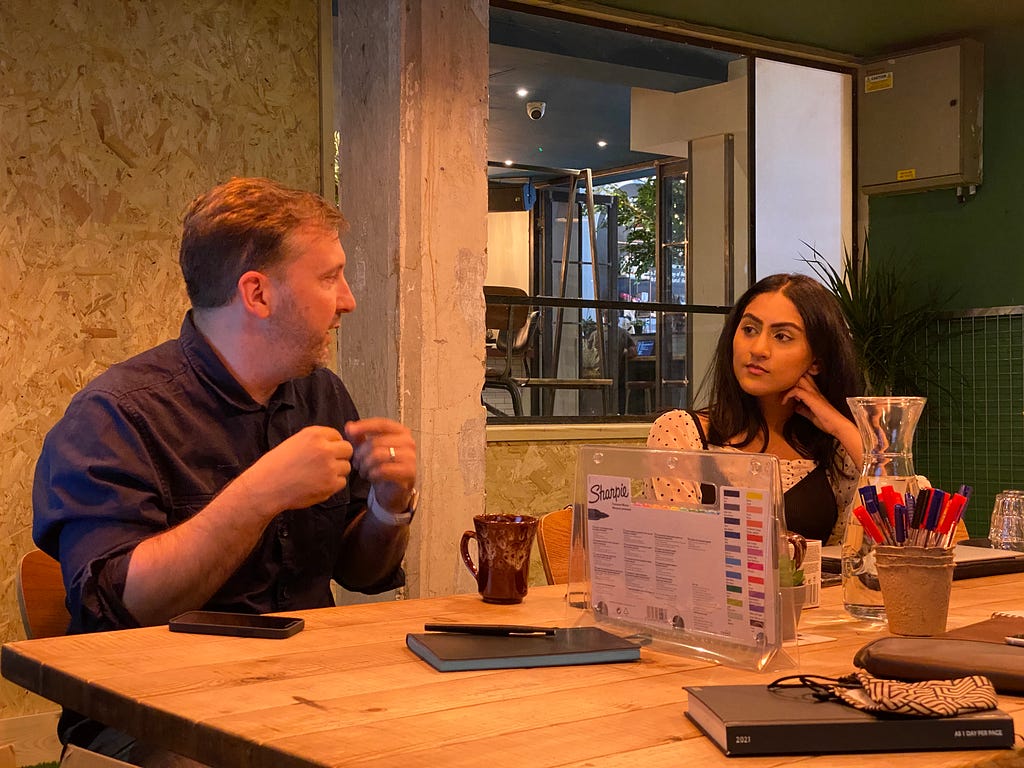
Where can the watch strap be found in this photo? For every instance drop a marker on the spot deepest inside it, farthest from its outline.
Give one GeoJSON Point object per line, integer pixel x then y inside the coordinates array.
{"type": "Point", "coordinates": [390, 518]}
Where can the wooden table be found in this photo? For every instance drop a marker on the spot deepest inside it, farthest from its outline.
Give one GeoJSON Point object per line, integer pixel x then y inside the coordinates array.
{"type": "Point", "coordinates": [346, 691]}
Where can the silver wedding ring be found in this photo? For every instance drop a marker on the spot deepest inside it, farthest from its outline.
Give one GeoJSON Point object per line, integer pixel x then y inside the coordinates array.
{"type": "Point", "coordinates": [391, 453]}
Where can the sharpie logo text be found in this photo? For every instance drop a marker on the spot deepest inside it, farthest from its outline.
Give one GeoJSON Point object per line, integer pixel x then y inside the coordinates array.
{"type": "Point", "coordinates": [599, 492]}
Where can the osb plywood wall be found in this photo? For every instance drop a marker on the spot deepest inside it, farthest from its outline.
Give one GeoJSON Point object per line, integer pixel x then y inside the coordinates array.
{"type": "Point", "coordinates": [113, 115]}
{"type": "Point", "coordinates": [534, 478]}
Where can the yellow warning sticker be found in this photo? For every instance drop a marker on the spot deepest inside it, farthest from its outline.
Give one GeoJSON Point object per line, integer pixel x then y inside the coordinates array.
{"type": "Point", "coordinates": [906, 174]}
{"type": "Point", "coordinates": [880, 81]}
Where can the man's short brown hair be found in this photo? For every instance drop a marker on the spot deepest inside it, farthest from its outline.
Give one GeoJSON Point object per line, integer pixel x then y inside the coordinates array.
{"type": "Point", "coordinates": [241, 225]}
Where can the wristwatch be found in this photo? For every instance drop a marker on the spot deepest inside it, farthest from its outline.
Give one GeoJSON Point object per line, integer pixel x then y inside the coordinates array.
{"type": "Point", "coordinates": [390, 518]}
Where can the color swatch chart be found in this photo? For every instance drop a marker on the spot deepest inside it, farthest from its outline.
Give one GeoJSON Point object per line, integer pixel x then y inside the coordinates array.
{"type": "Point", "coordinates": [746, 576]}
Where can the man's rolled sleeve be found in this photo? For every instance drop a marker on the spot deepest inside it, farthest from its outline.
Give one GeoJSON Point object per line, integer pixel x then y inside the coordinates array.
{"type": "Point", "coordinates": [95, 498]}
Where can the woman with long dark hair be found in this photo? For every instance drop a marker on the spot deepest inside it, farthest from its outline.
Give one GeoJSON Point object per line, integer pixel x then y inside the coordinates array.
{"type": "Point", "coordinates": [782, 371]}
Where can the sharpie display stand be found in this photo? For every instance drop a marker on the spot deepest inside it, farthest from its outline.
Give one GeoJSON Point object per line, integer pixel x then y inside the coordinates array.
{"type": "Point", "coordinates": [680, 549]}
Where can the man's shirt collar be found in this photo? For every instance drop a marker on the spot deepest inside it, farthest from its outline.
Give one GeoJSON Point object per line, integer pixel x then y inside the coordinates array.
{"type": "Point", "coordinates": [209, 367]}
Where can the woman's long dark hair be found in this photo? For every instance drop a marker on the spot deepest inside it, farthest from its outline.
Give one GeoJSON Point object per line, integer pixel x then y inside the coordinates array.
{"type": "Point", "coordinates": [733, 412]}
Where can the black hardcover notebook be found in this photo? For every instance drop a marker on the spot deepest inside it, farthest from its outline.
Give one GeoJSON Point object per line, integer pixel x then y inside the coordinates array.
{"type": "Point", "coordinates": [451, 652]}
{"type": "Point", "coordinates": [751, 720]}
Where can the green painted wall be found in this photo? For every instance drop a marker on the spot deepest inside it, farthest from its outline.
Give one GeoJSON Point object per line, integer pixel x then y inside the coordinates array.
{"type": "Point", "coordinates": [863, 28]}
{"type": "Point", "coordinates": [972, 431]}
{"type": "Point", "coordinates": [976, 247]}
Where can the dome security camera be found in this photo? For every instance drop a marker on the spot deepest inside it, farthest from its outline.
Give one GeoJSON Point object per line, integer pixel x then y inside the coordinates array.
{"type": "Point", "coordinates": [535, 109]}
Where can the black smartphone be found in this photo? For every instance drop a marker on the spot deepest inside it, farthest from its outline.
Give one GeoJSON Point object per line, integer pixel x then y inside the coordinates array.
{"type": "Point", "coordinates": [236, 624]}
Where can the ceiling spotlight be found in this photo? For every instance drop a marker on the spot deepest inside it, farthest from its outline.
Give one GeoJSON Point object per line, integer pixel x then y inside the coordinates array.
{"type": "Point", "coordinates": [508, 162]}
{"type": "Point", "coordinates": [602, 143]}
{"type": "Point", "coordinates": [522, 93]}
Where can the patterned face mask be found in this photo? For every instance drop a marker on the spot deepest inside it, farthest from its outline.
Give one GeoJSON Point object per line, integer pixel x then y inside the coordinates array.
{"type": "Point", "coordinates": [929, 698]}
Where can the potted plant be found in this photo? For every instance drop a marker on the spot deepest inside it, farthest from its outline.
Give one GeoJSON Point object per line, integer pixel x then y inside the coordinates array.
{"type": "Point", "coordinates": [791, 584]}
{"type": "Point", "coordinates": [888, 312]}
{"type": "Point", "coordinates": [789, 574]}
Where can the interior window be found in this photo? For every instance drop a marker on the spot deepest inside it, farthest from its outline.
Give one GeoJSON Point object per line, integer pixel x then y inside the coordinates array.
{"type": "Point", "coordinates": [619, 216]}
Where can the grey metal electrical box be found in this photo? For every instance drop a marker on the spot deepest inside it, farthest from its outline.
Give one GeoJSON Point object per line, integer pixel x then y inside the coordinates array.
{"type": "Point", "coordinates": [920, 118]}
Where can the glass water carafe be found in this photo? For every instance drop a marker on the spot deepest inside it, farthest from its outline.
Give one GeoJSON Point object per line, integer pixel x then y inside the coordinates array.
{"type": "Point", "coordinates": [886, 426]}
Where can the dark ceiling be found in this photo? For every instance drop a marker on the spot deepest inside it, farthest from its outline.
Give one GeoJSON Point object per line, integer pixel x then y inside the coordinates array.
{"type": "Point", "coordinates": [584, 73]}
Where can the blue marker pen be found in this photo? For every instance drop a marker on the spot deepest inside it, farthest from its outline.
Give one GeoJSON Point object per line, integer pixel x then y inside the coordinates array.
{"type": "Point", "coordinates": [901, 523]}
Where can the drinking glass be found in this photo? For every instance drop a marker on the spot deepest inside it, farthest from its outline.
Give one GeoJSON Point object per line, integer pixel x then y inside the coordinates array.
{"type": "Point", "coordinates": [1007, 528]}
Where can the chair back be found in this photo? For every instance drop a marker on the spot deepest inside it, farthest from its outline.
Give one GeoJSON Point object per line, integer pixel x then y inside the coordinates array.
{"type": "Point", "coordinates": [554, 538]}
{"type": "Point", "coordinates": [41, 596]}
{"type": "Point", "coordinates": [505, 317]}
{"type": "Point", "coordinates": [508, 321]}
{"type": "Point", "coordinates": [523, 337]}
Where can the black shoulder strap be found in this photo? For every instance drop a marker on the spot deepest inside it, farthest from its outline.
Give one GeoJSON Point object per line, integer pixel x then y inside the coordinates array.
{"type": "Point", "coordinates": [707, 490]}
{"type": "Point", "coordinates": [700, 429]}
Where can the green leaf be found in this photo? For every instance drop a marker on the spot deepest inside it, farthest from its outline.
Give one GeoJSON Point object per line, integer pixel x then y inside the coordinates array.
{"type": "Point", "coordinates": [889, 314]}
{"type": "Point", "coordinates": [788, 576]}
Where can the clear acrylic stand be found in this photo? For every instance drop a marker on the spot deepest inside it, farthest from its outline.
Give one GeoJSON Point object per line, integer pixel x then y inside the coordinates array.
{"type": "Point", "coordinates": [680, 549]}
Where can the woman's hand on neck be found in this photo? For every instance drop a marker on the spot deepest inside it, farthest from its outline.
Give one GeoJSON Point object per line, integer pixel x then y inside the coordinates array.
{"type": "Point", "coordinates": [812, 405]}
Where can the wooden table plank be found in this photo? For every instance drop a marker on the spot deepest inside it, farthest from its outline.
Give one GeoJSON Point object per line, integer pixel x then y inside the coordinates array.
{"type": "Point", "coordinates": [347, 692]}
{"type": "Point", "coordinates": [446, 724]}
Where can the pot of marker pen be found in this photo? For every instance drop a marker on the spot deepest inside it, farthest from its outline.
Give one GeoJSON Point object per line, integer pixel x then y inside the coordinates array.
{"type": "Point", "coordinates": [916, 582]}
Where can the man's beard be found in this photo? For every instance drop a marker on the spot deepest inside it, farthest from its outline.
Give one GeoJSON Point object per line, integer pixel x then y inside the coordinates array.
{"type": "Point", "coordinates": [305, 349]}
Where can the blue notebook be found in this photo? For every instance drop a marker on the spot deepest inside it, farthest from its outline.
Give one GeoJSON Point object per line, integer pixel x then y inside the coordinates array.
{"type": "Point", "coordinates": [452, 652]}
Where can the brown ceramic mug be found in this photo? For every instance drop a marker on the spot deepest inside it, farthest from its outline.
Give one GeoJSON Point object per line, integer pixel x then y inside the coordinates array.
{"type": "Point", "coordinates": [503, 549]}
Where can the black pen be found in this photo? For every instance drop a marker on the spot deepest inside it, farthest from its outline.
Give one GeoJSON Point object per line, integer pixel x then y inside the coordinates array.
{"type": "Point", "coordinates": [497, 630]}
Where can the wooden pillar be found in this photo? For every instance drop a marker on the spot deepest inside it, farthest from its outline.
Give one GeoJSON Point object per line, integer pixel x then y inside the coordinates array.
{"type": "Point", "coordinates": [411, 106]}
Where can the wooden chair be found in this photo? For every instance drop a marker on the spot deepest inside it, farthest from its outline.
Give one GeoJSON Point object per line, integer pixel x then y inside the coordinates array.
{"type": "Point", "coordinates": [76, 757]}
{"type": "Point", "coordinates": [514, 326]}
{"type": "Point", "coordinates": [554, 537]}
{"type": "Point", "coordinates": [41, 596]}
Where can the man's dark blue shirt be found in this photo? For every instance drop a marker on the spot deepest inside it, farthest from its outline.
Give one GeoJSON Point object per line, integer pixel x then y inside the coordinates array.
{"type": "Point", "coordinates": [148, 444]}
